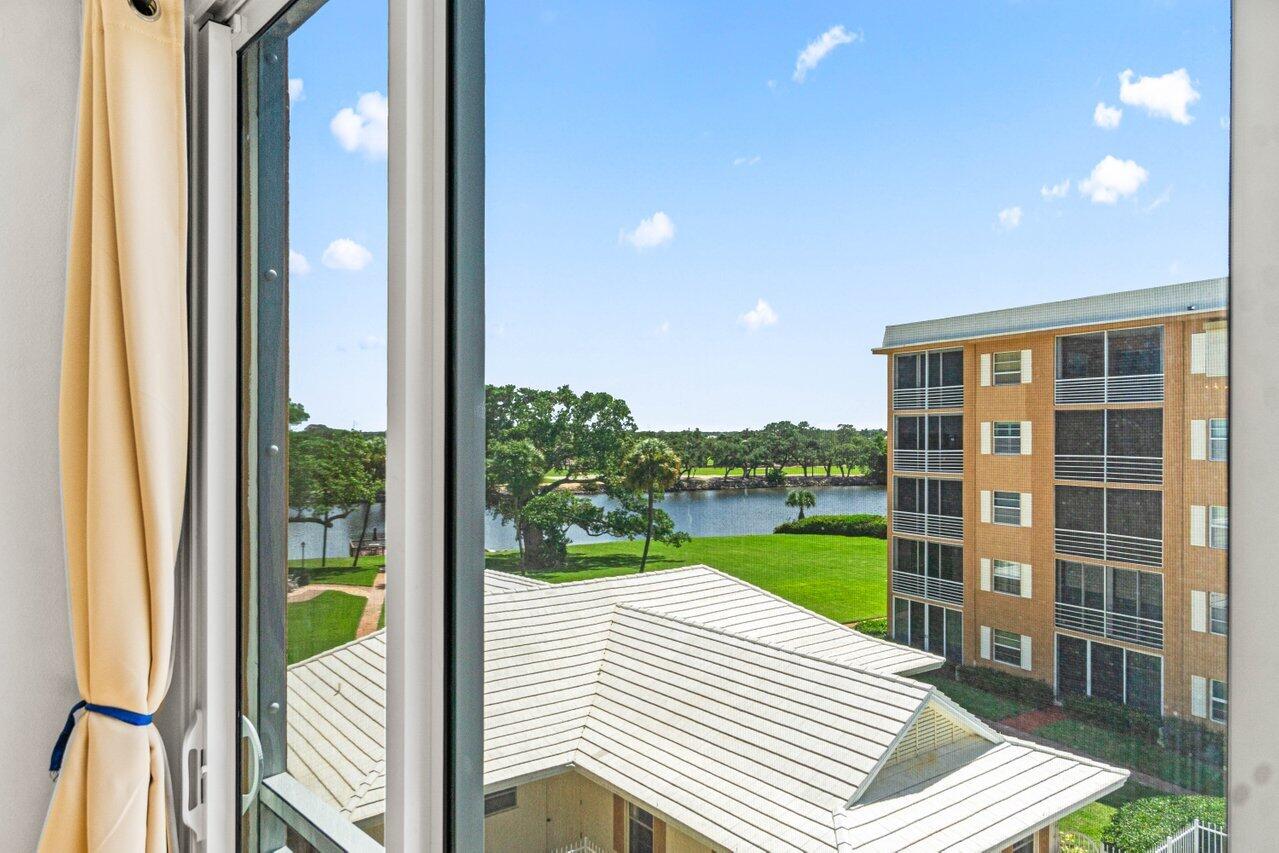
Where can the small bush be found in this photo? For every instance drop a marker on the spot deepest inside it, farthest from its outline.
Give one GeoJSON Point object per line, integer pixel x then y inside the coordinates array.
{"type": "Point", "coordinates": [1187, 737]}
{"type": "Point", "coordinates": [838, 525]}
{"type": "Point", "coordinates": [1144, 824]}
{"type": "Point", "coordinates": [775, 476]}
{"type": "Point", "coordinates": [874, 627]}
{"type": "Point", "coordinates": [1113, 716]}
{"type": "Point", "coordinates": [1006, 684]}
{"type": "Point", "coordinates": [1075, 842]}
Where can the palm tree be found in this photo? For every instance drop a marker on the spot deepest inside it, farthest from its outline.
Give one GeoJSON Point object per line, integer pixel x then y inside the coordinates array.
{"type": "Point", "coordinates": [801, 499]}
{"type": "Point", "coordinates": [650, 466]}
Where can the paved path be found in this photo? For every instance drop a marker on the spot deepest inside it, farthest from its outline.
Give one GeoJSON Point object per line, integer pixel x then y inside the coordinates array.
{"type": "Point", "coordinates": [374, 597]}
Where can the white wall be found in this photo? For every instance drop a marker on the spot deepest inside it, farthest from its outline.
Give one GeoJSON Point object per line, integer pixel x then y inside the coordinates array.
{"type": "Point", "coordinates": [39, 64]}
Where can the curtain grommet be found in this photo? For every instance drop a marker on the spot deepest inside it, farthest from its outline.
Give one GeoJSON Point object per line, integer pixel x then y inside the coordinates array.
{"type": "Point", "coordinates": [147, 10]}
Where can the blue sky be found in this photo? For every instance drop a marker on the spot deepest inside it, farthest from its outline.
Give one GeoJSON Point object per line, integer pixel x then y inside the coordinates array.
{"type": "Point", "coordinates": [869, 192]}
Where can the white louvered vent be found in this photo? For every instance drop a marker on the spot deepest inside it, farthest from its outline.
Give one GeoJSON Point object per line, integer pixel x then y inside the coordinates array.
{"type": "Point", "coordinates": [931, 731]}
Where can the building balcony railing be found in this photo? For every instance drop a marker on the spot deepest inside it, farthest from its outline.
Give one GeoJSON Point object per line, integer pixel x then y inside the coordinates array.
{"type": "Point", "coordinates": [925, 524]}
{"type": "Point", "coordinates": [1118, 626]}
{"type": "Point", "coordinates": [936, 461]}
{"type": "Point", "coordinates": [923, 586]}
{"type": "Point", "coordinates": [936, 397]}
{"type": "Point", "coordinates": [582, 845]}
{"type": "Point", "coordinates": [1110, 546]}
{"type": "Point", "coordinates": [1111, 389]}
{"type": "Point", "coordinates": [1110, 469]}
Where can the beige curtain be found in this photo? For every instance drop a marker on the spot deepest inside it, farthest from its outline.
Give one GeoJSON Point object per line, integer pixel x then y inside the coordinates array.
{"type": "Point", "coordinates": [123, 420]}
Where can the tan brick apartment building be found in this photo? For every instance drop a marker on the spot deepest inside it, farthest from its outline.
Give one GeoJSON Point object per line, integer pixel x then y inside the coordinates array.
{"type": "Point", "coordinates": [1057, 493]}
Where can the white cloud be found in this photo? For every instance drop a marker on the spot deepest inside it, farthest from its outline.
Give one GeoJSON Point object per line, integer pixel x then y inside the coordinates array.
{"type": "Point", "coordinates": [298, 264]}
{"type": "Point", "coordinates": [759, 316]}
{"type": "Point", "coordinates": [772, 85]}
{"type": "Point", "coordinates": [746, 161]}
{"type": "Point", "coordinates": [1167, 96]}
{"type": "Point", "coordinates": [1107, 117]}
{"type": "Point", "coordinates": [363, 128]}
{"type": "Point", "coordinates": [1224, 121]}
{"type": "Point", "coordinates": [651, 232]}
{"type": "Point", "coordinates": [1009, 218]}
{"type": "Point", "coordinates": [372, 342]}
{"type": "Point", "coordinates": [344, 254]}
{"type": "Point", "coordinates": [664, 328]}
{"type": "Point", "coordinates": [1111, 179]}
{"type": "Point", "coordinates": [1163, 198]}
{"type": "Point", "coordinates": [1056, 190]}
{"type": "Point", "coordinates": [817, 49]}
{"type": "Point", "coordinates": [296, 90]}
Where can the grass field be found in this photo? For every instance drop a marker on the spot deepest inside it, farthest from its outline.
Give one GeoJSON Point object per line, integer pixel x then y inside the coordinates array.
{"type": "Point", "coordinates": [712, 471]}
{"type": "Point", "coordinates": [320, 623]}
{"type": "Point", "coordinates": [1129, 752]}
{"type": "Point", "coordinates": [843, 578]}
{"type": "Point", "coordinates": [1093, 818]}
{"type": "Point", "coordinates": [339, 570]}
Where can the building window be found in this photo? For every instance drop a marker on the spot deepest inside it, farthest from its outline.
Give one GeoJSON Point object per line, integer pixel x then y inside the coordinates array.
{"type": "Point", "coordinates": [1217, 708]}
{"type": "Point", "coordinates": [1007, 368]}
{"type": "Point", "coordinates": [1007, 507]}
{"type": "Point", "coordinates": [1006, 577]}
{"type": "Point", "coordinates": [1026, 845]}
{"type": "Point", "coordinates": [640, 835]}
{"type": "Point", "coordinates": [1217, 613]}
{"type": "Point", "coordinates": [1218, 527]}
{"type": "Point", "coordinates": [1103, 671]}
{"type": "Point", "coordinates": [929, 627]}
{"type": "Point", "coordinates": [1006, 647]}
{"type": "Point", "coordinates": [499, 801]}
{"type": "Point", "coordinates": [1125, 604]}
{"type": "Point", "coordinates": [1110, 524]}
{"type": "Point", "coordinates": [1218, 433]}
{"type": "Point", "coordinates": [1008, 438]}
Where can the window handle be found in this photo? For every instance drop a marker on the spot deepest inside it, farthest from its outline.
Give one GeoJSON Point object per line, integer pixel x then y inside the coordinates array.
{"type": "Point", "coordinates": [193, 789]}
{"type": "Point", "coordinates": [247, 730]}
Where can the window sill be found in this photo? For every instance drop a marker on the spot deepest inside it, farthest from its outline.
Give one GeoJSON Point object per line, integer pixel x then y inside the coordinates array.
{"type": "Point", "coordinates": [322, 826]}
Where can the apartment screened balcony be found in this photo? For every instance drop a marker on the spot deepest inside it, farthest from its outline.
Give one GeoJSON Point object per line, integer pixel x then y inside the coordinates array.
{"type": "Point", "coordinates": [929, 443]}
{"type": "Point", "coordinates": [929, 570]}
{"type": "Point", "coordinates": [1122, 604]}
{"type": "Point", "coordinates": [929, 380]}
{"type": "Point", "coordinates": [928, 507]}
{"type": "Point", "coordinates": [1119, 366]}
{"type": "Point", "coordinates": [1122, 525]}
{"type": "Point", "coordinates": [1110, 445]}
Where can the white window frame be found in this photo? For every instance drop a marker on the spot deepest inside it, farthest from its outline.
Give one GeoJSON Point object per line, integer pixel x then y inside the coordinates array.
{"type": "Point", "coordinates": [1011, 572]}
{"type": "Point", "coordinates": [1007, 375]}
{"type": "Point", "coordinates": [1006, 646]}
{"type": "Point", "coordinates": [1218, 602]}
{"type": "Point", "coordinates": [1218, 445]}
{"type": "Point", "coordinates": [996, 508]}
{"type": "Point", "coordinates": [1217, 706]}
{"type": "Point", "coordinates": [1011, 439]}
{"type": "Point", "coordinates": [1218, 527]}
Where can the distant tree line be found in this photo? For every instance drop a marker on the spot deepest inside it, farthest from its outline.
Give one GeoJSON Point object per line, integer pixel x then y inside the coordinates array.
{"type": "Point", "coordinates": [783, 444]}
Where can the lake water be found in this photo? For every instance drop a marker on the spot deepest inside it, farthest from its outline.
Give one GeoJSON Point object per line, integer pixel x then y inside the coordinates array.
{"type": "Point", "coordinates": [725, 512]}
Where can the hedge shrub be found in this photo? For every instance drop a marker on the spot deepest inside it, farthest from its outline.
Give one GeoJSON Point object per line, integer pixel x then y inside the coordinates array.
{"type": "Point", "coordinates": [1029, 690]}
{"type": "Point", "coordinates": [1114, 716]}
{"type": "Point", "coordinates": [1144, 824]}
{"type": "Point", "coordinates": [874, 627]}
{"type": "Point", "coordinates": [1187, 737]}
{"type": "Point", "coordinates": [838, 525]}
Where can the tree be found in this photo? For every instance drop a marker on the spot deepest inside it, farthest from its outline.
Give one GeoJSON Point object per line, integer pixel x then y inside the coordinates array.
{"type": "Point", "coordinates": [513, 472]}
{"type": "Point", "coordinates": [297, 414]}
{"type": "Point", "coordinates": [331, 472]}
{"type": "Point", "coordinates": [801, 499]}
{"type": "Point", "coordinates": [650, 467]}
{"type": "Point", "coordinates": [375, 463]}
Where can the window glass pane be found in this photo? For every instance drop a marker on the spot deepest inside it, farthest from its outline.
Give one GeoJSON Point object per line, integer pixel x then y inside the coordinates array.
{"type": "Point", "coordinates": [908, 494]}
{"type": "Point", "coordinates": [1094, 586]}
{"type": "Point", "coordinates": [908, 436]}
{"type": "Point", "coordinates": [640, 831]}
{"type": "Point", "coordinates": [901, 620]}
{"type": "Point", "coordinates": [950, 434]}
{"type": "Point", "coordinates": [947, 562]}
{"type": "Point", "coordinates": [1218, 443]}
{"type": "Point", "coordinates": [1006, 647]}
{"type": "Point", "coordinates": [1123, 591]}
{"type": "Point", "coordinates": [952, 367]}
{"type": "Point", "coordinates": [1151, 596]}
{"type": "Point", "coordinates": [1080, 433]}
{"type": "Point", "coordinates": [1107, 672]}
{"type": "Point", "coordinates": [935, 378]}
{"type": "Point", "coordinates": [1007, 577]}
{"type": "Point", "coordinates": [1007, 367]}
{"type": "Point", "coordinates": [1072, 665]}
{"type": "Point", "coordinates": [1136, 352]}
{"type": "Point", "coordinates": [954, 636]}
{"type": "Point", "coordinates": [1070, 582]}
{"type": "Point", "coordinates": [1135, 432]}
{"type": "Point", "coordinates": [936, 629]}
{"type": "Point", "coordinates": [1218, 532]}
{"type": "Point", "coordinates": [1217, 612]}
{"type": "Point", "coordinates": [1007, 508]}
{"type": "Point", "coordinates": [951, 497]}
{"type": "Point", "coordinates": [1218, 710]}
{"type": "Point", "coordinates": [1080, 356]}
{"type": "Point", "coordinates": [1144, 682]}
{"type": "Point", "coordinates": [499, 801]}
{"type": "Point", "coordinates": [1130, 512]}
{"type": "Point", "coordinates": [917, 624]}
{"type": "Point", "coordinates": [906, 554]}
{"type": "Point", "coordinates": [908, 372]}
{"type": "Point", "coordinates": [1007, 437]}
{"type": "Point", "coordinates": [1080, 508]}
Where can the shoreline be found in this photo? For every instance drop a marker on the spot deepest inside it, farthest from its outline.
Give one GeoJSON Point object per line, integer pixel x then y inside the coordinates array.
{"type": "Point", "coordinates": [704, 483]}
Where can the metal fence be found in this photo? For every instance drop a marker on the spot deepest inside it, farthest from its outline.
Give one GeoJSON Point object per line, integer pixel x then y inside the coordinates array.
{"type": "Point", "coordinates": [581, 845]}
{"type": "Point", "coordinates": [1197, 837]}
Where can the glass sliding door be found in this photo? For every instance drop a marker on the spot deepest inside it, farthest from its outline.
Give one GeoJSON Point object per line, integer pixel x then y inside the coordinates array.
{"type": "Point", "coordinates": [313, 291]}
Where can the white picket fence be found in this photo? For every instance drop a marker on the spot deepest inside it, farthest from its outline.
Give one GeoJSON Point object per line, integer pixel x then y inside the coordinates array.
{"type": "Point", "coordinates": [581, 845]}
{"type": "Point", "coordinates": [1197, 837]}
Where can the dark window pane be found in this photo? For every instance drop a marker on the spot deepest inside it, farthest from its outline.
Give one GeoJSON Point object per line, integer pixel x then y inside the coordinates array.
{"type": "Point", "coordinates": [907, 495]}
{"type": "Point", "coordinates": [1070, 582]}
{"type": "Point", "coordinates": [907, 434]}
{"type": "Point", "coordinates": [1080, 433]}
{"type": "Point", "coordinates": [1136, 352]}
{"type": "Point", "coordinates": [1135, 432]}
{"type": "Point", "coordinates": [917, 624]}
{"type": "Point", "coordinates": [1094, 586]}
{"type": "Point", "coordinates": [1144, 682]}
{"type": "Point", "coordinates": [1130, 512]}
{"type": "Point", "coordinates": [1072, 666]}
{"type": "Point", "coordinates": [906, 555]}
{"type": "Point", "coordinates": [1150, 596]}
{"type": "Point", "coordinates": [950, 433]}
{"type": "Point", "coordinates": [934, 369]}
{"type": "Point", "coordinates": [952, 497]}
{"type": "Point", "coordinates": [1079, 356]}
{"type": "Point", "coordinates": [952, 367]}
{"type": "Point", "coordinates": [955, 636]}
{"type": "Point", "coordinates": [1123, 591]}
{"type": "Point", "coordinates": [908, 372]}
{"type": "Point", "coordinates": [947, 562]}
{"type": "Point", "coordinates": [1080, 508]}
{"type": "Point", "coordinates": [1108, 672]}
{"type": "Point", "coordinates": [901, 620]}
{"type": "Point", "coordinates": [936, 630]}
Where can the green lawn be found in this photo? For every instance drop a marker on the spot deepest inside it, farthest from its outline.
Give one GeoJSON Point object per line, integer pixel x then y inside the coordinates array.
{"type": "Point", "coordinates": [988, 706]}
{"type": "Point", "coordinates": [339, 570]}
{"type": "Point", "coordinates": [841, 577]}
{"type": "Point", "coordinates": [712, 471]}
{"type": "Point", "coordinates": [1129, 752]}
{"type": "Point", "coordinates": [320, 623]}
{"type": "Point", "coordinates": [1093, 818]}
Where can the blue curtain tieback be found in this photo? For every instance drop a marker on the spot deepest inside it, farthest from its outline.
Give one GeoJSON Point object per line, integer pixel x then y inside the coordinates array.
{"type": "Point", "coordinates": [133, 718]}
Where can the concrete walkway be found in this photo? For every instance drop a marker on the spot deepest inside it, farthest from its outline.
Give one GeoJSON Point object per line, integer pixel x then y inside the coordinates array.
{"type": "Point", "coordinates": [374, 597]}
